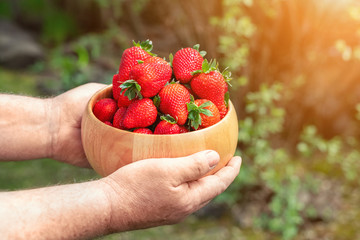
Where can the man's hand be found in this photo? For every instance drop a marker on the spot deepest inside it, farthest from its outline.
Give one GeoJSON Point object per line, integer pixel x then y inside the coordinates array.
{"type": "Point", "coordinates": [155, 192]}
{"type": "Point", "coordinates": [33, 128]}
{"type": "Point", "coordinates": [143, 194]}
{"type": "Point", "coordinates": [65, 127]}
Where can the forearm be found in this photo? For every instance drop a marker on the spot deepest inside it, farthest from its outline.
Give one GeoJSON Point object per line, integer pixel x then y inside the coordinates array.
{"type": "Point", "coordinates": [25, 125]}
{"type": "Point", "coordinates": [76, 211]}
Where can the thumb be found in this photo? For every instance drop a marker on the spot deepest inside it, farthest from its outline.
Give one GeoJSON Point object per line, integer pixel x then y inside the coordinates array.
{"type": "Point", "coordinates": [195, 166]}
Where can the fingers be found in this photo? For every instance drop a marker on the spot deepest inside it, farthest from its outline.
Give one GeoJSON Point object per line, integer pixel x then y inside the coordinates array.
{"type": "Point", "coordinates": [85, 91]}
{"type": "Point", "coordinates": [205, 189]}
{"type": "Point", "coordinates": [230, 171]}
{"type": "Point", "coordinates": [93, 87]}
{"type": "Point", "coordinates": [193, 167]}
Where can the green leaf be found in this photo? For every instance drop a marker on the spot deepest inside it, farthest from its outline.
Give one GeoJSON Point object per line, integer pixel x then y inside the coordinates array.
{"type": "Point", "coordinates": [191, 116]}
{"type": "Point", "coordinates": [208, 67]}
{"type": "Point", "coordinates": [191, 106]}
{"type": "Point", "coordinates": [196, 47]}
{"type": "Point", "coordinates": [205, 104]}
{"type": "Point", "coordinates": [196, 72]}
{"type": "Point", "coordinates": [206, 112]}
{"type": "Point", "coordinates": [171, 58]}
{"type": "Point", "coordinates": [227, 76]}
{"type": "Point", "coordinates": [192, 98]}
{"type": "Point", "coordinates": [131, 89]}
{"type": "Point", "coordinates": [203, 53]}
{"type": "Point", "coordinates": [157, 100]}
{"type": "Point", "coordinates": [145, 45]}
{"type": "Point", "coordinates": [227, 99]}
{"type": "Point", "coordinates": [205, 66]}
{"type": "Point", "coordinates": [195, 120]}
{"type": "Point", "coordinates": [214, 65]}
{"type": "Point", "coordinates": [138, 87]}
{"type": "Point", "coordinates": [168, 118]}
{"type": "Point", "coordinates": [195, 111]}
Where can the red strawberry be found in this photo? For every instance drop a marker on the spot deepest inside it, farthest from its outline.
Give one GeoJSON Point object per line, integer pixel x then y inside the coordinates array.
{"type": "Point", "coordinates": [155, 60]}
{"type": "Point", "coordinates": [116, 86]}
{"type": "Point", "coordinates": [183, 129]}
{"type": "Point", "coordinates": [173, 100]}
{"type": "Point", "coordinates": [140, 113]}
{"type": "Point", "coordinates": [105, 109]}
{"type": "Point", "coordinates": [130, 58]}
{"type": "Point", "coordinates": [203, 113]}
{"type": "Point", "coordinates": [118, 117]}
{"type": "Point", "coordinates": [143, 131]}
{"type": "Point", "coordinates": [147, 79]}
{"type": "Point", "coordinates": [188, 87]}
{"type": "Point", "coordinates": [108, 123]}
{"type": "Point", "coordinates": [186, 61]}
{"type": "Point", "coordinates": [212, 85]}
{"type": "Point", "coordinates": [122, 100]}
{"type": "Point", "coordinates": [167, 125]}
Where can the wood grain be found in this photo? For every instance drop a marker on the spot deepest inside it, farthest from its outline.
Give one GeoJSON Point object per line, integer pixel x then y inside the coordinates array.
{"type": "Point", "coordinates": [108, 148]}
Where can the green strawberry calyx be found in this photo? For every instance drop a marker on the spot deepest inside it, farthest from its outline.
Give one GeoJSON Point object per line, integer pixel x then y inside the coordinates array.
{"type": "Point", "coordinates": [207, 67]}
{"type": "Point", "coordinates": [171, 59]}
{"type": "Point", "coordinates": [227, 76]}
{"type": "Point", "coordinates": [197, 47]}
{"type": "Point", "coordinates": [145, 45]}
{"type": "Point", "coordinates": [168, 118]}
{"type": "Point", "coordinates": [156, 101]}
{"type": "Point", "coordinates": [195, 111]}
{"type": "Point", "coordinates": [227, 99]}
{"type": "Point", "coordinates": [131, 89]}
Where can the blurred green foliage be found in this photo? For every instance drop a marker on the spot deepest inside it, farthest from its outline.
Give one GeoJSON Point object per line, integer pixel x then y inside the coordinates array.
{"type": "Point", "coordinates": [277, 168]}
{"type": "Point", "coordinates": [56, 24]}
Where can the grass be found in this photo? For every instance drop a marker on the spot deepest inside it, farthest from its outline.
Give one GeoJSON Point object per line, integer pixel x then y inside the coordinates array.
{"type": "Point", "coordinates": [192, 229]}
{"type": "Point", "coordinates": [40, 173]}
{"type": "Point", "coordinates": [18, 83]}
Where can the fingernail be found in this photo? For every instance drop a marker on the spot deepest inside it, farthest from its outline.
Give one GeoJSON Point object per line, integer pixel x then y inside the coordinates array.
{"type": "Point", "coordinates": [212, 157]}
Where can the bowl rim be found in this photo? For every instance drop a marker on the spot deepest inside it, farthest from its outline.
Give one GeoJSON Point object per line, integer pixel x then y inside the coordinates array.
{"type": "Point", "coordinates": [92, 115]}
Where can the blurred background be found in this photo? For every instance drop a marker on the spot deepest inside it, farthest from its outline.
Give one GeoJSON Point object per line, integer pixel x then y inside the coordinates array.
{"type": "Point", "coordinates": [296, 88]}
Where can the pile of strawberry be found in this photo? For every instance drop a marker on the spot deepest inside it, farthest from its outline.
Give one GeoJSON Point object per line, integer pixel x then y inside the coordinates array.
{"type": "Point", "coordinates": [152, 96]}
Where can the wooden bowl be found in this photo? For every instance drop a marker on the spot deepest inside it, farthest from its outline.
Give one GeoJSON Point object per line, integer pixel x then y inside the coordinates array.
{"type": "Point", "coordinates": [108, 148]}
